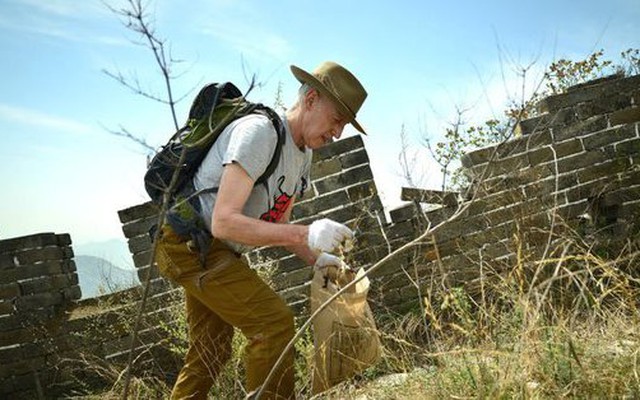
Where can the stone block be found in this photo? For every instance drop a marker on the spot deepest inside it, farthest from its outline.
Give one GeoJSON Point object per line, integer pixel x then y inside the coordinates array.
{"type": "Point", "coordinates": [38, 301]}
{"type": "Point", "coordinates": [349, 177]}
{"type": "Point", "coordinates": [625, 116]}
{"type": "Point", "coordinates": [604, 105]}
{"type": "Point", "coordinates": [342, 146]}
{"type": "Point", "coordinates": [591, 91]}
{"type": "Point", "coordinates": [28, 242]}
{"type": "Point", "coordinates": [606, 137]}
{"type": "Point", "coordinates": [32, 256]}
{"type": "Point", "coordinates": [10, 291]}
{"type": "Point", "coordinates": [609, 168]}
{"type": "Point", "coordinates": [140, 211]}
{"type": "Point", "coordinates": [139, 227]}
{"type": "Point", "coordinates": [501, 167]}
{"type": "Point", "coordinates": [36, 285]}
{"type": "Point", "coordinates": [291, 279]}
{"type": "Point", "coordinates": [143, 271]}
{"type": "Point", "coordinates": [579, 161]}
{"type": "Point", "coordinates": [536, 125]}
{"type": "Point", "coordinates": [321, 203]}
{"type": "Point", "coordinates": [142, 259]}
{"type": "Point", "coordinates": [73, 292]}
{"type": "Point", "coordinates": [628, 148]}
{"type": "Point", "coordinates": [403, 213]}
{"type": "Point", "coordinates": [362, 191]}
{"type": "Point", "coordinates": [6, 307]}
{"type": "Point", "coordinates": [139, 244]}
{"type": "Point", "coordinates": [621, 196]}
{"type": "Point", "coordinates": [350, 160]}
{"type": "Point", "coordinates": [325, 168]}
{"type": "Point", "coordinates": [477, 157]}
{"type": "Point", "coordinates": [430, 196]}
{"type": "Point", "coordinates": [581, 128]}
{"type": "Point", "coordinates": [288, 264]}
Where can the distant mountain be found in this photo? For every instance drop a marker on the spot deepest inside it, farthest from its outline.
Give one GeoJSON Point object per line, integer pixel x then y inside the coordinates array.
{"type": "Point", "coordinates": [98, 276]}
{"type": "Point", "coordinates": [115, 251]}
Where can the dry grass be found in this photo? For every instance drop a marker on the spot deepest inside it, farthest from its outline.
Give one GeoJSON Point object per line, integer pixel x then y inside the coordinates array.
{"type": "Point", "coordinates": [566, 326]}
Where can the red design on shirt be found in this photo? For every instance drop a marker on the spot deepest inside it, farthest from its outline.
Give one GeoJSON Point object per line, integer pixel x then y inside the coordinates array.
{"type": "Point", "coordinates": [280, 206]}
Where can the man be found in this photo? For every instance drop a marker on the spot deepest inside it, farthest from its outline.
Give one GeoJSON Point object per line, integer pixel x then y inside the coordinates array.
{"type": "Point", "coordinates": [227, 293]}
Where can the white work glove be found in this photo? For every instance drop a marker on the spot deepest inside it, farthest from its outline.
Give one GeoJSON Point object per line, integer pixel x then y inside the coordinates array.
{"type": "Point", "coordinates": [326, 236]}
{"type": "Point", "coordinates": [325, 260]}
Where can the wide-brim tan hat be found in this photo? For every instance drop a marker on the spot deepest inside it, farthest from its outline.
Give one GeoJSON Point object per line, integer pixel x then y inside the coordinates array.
{"type": "Point", "coordinates": [339, 85]}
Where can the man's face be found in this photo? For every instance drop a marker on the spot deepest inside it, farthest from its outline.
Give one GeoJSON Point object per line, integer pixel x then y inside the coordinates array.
{"type": "Point", "coordinates": [323, 122]}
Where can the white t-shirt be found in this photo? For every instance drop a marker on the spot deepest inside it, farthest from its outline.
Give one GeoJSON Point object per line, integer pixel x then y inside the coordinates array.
{"type": "Point", "coordinates": [251, 141]}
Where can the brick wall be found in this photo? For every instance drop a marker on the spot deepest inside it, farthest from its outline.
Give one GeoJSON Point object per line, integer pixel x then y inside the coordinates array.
{"type": "Point", "coordinates": [574, 167]}
{"type": "Point", "coordinates": [52, 343]}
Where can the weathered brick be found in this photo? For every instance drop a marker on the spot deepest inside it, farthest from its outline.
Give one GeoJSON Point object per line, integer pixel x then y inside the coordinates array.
{"type": "Point", "coordinates": [477, 157]}
{"type": "Point", "coordinates": [603, 138]}
{"type": "Point", "coordinates": [625, 116]}
{"type": "Point", "coordinates": [321, 203]}
{"type": "Point", "coordinates": [33, 256]}
{"type": "Point", "coordinates": [325, 168]}
{"type": "Point", "coordinates": [28, 242]}
{"type": "Point", "coordinates": [575, 162]}
{"type": "Point", "coordinates": [403, 213]}
{"type": "Point", "coordinates": [362, 191]}
{"type": "Point", "coordinates": [355, 158]}
{"type": "Point", "coordinates": [622, 195]}
{"type": "Point", "coordinates": [592, 91]}
{"type": "Point", "coordinates": [141, 211]}
{"type": "Point", "coordinates": [590, 189]}
{"type": "Point", "coordinates": [346, 178]}
{"type": "Point", "coordinates": [140, 243]}
{"type": "Point", "coordinates": [38, 300]}
{"type": "Point", "coordinates": [581, 128]}
{"type": "Point", "coordinates": [603, 105]}
{"type": "Point", "coordinates": [535, 125]}
{"type": "Point", "coordinates": [628, 148]}
{"type": "Point", "coordinates": [501, 167]}
{"type": "Point", "coordinates": [9, 291]}
{"type": "Point", "coordinates": [339, 147]}
{"type": "Point", "coordinates": [139, 227]}
{"type": "Point", "coordinates": [36, 285]}
{"type": "Point", "coordinates": [608, 168]}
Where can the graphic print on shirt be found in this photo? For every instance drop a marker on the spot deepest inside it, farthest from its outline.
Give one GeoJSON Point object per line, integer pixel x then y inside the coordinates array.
{"type": "Point", "coordinates": [280, 206]}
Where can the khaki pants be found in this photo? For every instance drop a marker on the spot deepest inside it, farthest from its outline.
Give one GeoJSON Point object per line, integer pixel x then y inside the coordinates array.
{"type": "Point", "coordinates": [226, 294]}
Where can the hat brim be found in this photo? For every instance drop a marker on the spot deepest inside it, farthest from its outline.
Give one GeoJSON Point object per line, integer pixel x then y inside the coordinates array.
{"type": "Point", "coordinates": [305, 77]}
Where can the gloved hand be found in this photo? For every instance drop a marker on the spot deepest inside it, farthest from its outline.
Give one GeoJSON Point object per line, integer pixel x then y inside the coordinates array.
{"type": "Point", "coordinates": [325, 260]}
{"type": "Point", "coordinates": [326, 235]}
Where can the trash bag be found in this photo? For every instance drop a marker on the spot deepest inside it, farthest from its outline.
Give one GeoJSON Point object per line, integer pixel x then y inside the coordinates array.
{"type": "Point", "coordinates": [345, 336]}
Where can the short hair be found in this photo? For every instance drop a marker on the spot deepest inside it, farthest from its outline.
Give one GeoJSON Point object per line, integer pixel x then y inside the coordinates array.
{"type": "Point", "coordinates": [302, 92]}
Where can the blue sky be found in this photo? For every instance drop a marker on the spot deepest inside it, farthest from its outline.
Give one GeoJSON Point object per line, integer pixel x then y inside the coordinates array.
{"type": "Point", "coordinates": [63, 172]}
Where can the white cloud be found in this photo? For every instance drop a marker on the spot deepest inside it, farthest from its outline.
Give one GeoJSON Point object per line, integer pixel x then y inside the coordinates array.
{"type": "Point", "coordinates": [250, 40]}
{"type": "Point", "coordinates": [65, 8]}
{"type": "Point", "coordinates": [36, 118]}
{"type": "Point", "coordinates": [59, 19]}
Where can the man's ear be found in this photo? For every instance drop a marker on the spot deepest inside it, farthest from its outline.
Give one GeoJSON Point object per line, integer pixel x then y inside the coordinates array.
{"type": "Point", "coordinates": [310, 98]}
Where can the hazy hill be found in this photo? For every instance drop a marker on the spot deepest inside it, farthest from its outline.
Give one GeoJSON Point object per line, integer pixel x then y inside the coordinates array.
{"type": "Point", "coordinates": [98, 276]}
{"type": "Point", "coordinates": [115, 251]}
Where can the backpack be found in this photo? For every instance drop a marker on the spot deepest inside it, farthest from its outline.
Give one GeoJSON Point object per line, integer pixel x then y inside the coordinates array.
{"type": "Point", "coordinates": [215, 106]}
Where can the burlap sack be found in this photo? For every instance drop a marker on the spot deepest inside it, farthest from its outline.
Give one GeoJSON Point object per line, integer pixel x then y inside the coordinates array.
{"type": "Point", "coordinates": [345, 336]}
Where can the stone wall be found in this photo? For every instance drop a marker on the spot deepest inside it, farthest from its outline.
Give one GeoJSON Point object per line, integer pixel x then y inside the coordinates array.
{"type": "Point", "coordinates": [574, 168]}
{"type": "Point", "coordinates": [52, 343]}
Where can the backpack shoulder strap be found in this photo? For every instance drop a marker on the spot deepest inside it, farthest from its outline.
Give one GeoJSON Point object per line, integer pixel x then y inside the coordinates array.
{"type": "Point", "coordinates": [280, 132]}
{"type": "Point", "coordinates": [271, 167]}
